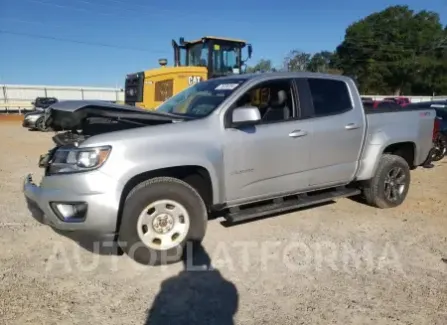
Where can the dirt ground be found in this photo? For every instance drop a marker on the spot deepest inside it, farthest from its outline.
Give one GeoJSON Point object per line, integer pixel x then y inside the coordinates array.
{"type": "Point", "coordinates": [342, 263]}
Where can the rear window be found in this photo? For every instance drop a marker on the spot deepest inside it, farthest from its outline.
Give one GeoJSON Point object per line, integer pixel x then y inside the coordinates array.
{"type": "Point", "coordinates": [329, 96]}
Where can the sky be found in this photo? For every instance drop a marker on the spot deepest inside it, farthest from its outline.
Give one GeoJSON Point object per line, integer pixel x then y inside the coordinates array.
{"type": "Point", "coordinates": [111, 38]}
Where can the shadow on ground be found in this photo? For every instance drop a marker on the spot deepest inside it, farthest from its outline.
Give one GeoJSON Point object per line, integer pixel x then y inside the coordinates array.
{"type": "Point", "coordinates": [91, 243]}
{"type": "Point", "coordinates": [198, 295]}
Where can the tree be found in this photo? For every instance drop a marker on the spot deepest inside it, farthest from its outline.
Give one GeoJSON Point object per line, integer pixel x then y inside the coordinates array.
{"type": "Point", "coordinates": [320, 62]}
{"type": "Point", "coordinates": [262, 66]}
{"type": "Point", "coordinates": [394, 51]}
{"type": "Point", "coordinates": [297, 61]}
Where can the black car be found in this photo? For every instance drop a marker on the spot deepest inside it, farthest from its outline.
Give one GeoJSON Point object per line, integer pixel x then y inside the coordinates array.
{"type": "Point", "coordinates": [440, 140]}
{"type": "Point", "coordinates": [44, 102]}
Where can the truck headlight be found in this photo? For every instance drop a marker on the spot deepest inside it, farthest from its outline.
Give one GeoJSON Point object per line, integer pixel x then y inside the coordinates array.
{"type": "Point", "coordinates": [72, 160]}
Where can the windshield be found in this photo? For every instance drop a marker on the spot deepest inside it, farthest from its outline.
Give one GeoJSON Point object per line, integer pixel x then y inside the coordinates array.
{"type": "Point", "coordinates": [225, 59]}
{"type": "Point", "coordinates": [198, 54]}
{"type": "Point", "coordinates": [202, 98]}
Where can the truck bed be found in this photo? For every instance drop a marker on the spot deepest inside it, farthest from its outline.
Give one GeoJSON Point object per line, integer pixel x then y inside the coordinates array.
{"type": "Point", "coordinates": [413, 126]}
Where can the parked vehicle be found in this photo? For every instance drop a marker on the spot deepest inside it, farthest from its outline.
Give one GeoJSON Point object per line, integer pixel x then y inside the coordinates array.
{"type": "Point", "coordinates": [35, 120]}
{"type": "Point", "coordinates": [439, 142]}
{"type": "Point", "coordinates": [382, 104]}
{"type": "Point", "coordinates": [194, 61]}
{"type": "Point", "coordinates": [439, 149]}
{"type": "Point", "coordinates": [152, 178]}
{"type": "Point", "coordinates": [402, 101]}
{"type": "Point", "coordinates": [41, 103]}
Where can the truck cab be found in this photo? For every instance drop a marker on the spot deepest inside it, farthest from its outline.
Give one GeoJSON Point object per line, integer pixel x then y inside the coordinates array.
{"type": "Point", "coordinates": [194, 61]}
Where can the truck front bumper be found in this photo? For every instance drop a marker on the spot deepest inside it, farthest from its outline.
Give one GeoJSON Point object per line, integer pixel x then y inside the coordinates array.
{"type": "Point", "coordinates": [77, 203]}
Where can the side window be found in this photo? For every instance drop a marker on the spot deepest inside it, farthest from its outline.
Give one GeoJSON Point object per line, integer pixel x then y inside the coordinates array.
{"type": "Point", "coordinates": [274, 99]}
{"type": "Point", "coordinates": [329, 96]}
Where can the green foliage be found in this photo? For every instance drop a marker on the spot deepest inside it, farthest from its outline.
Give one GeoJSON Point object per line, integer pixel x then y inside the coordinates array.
{"type": "Point", "coordinates": [297, 61]}
{"type": "Point", "coordinates": [396, 51]}
{"type": "Point", "coordinates": [261, 66]}
{"type": "Point", "coordinates": [324, 62]}
{"type": "Point", "coordinates": [320, 62]}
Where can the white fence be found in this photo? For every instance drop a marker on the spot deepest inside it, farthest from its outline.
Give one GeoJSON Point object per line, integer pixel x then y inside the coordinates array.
{"type": "Point", "coordinates": [15, 98]}
{"type": "Point", "coordinates": [413, 99]}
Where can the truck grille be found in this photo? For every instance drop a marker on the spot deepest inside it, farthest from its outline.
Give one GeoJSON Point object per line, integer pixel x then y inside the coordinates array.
{"type": "Point", "coordinates": [163, 90]}
{"type": "Point", "coordinates": [133, 89]}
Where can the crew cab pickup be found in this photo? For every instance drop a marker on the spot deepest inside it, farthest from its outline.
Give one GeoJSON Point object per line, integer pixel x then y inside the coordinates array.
{"type": "Point", "coordinates": [240, 147]}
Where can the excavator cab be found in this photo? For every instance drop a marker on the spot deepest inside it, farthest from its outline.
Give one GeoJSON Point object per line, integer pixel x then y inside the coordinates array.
{"type": "Point", "coordinates": [221, 56]}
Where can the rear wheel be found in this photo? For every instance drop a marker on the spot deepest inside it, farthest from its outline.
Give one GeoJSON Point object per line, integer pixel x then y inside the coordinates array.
{"type": "Point", "coordinates": [159, 217]}
{"type": "Point", "coordinates": [389, 186]}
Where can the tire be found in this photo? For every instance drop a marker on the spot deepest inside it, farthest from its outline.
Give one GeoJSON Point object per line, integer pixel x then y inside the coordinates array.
{"type": "Point", "coordinates": [375, 190]}
{"type": "Point", "coordinates": [441, 148]}
{"type": "Point", "coordinates": [40, 124]}
{"type": "Point", "coordinates": [163, 192]}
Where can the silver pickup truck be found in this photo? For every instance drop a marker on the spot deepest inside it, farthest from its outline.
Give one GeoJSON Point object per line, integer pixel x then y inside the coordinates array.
{"type": "Point", "coordinates": [240, 147]}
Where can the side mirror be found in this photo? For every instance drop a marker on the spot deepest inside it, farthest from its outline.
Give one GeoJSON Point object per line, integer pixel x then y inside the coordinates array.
{"type": "Point", "coordinates": [245, 116]}
{"type": "Point", "coordinates": [250, 51]}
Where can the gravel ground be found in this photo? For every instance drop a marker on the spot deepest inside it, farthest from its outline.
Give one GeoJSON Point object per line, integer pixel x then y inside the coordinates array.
{"type": "Point", "coordinates": [342, 263]}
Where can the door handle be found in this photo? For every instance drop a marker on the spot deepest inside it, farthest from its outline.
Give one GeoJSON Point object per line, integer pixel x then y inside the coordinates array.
{"type": "Point", "coordinates": [351, 126]}
{"type": "Point", "coordinates": [297, 134]}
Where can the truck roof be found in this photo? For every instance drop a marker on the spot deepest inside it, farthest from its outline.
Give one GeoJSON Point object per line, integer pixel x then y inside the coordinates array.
{"type": "Point", "coordinates": [216, 38]}
{"type": "Point", "coordinates": [285, 74]}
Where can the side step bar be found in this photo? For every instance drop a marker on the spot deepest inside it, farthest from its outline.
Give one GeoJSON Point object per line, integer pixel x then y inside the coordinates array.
{"type": "Point", "coordinates": [279, 205]}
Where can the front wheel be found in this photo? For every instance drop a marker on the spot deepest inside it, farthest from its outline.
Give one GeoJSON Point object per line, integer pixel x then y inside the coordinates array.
{"type": "Point", "coordinates": [389, 186]}
{"type": "Point", "coordinates": [159, 217]}
{"type": "Point", "coordinates": [40, 124]}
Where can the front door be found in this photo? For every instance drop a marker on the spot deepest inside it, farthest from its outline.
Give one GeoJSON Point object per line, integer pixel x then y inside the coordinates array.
{"type": "Point", "coordinates": [272, 158]}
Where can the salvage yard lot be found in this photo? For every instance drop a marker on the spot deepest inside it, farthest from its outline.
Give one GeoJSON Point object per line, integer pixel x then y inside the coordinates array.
{"type": "Point", "coordinates": [341, 263]}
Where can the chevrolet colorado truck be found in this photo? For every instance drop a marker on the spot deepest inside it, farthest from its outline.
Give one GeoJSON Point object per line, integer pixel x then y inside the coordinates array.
{"type": "Point", "coordinates": [239, 147]}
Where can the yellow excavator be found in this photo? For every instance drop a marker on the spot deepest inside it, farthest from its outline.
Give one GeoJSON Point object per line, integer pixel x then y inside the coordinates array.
{"type": "Point", "coordinates": [194, 61]}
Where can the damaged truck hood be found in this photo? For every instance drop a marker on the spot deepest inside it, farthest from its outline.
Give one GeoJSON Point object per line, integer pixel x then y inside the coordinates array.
{"type": "Point", "coordinates": [75, 114]}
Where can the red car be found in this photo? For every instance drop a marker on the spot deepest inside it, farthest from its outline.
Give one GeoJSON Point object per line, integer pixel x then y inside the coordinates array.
{"type": "Point", "coordinates": [382, 104]}
{"type": "Point", "coordinates": [402, 101]}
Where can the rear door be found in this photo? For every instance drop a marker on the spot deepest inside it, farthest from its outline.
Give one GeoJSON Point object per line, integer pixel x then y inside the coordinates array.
{"type": "Point", "coordinates": [338, 131]}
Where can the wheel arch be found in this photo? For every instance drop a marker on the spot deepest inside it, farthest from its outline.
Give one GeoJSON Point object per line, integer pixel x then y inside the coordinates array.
{"type": "Point", "coordinates": [371, 158]}
{"type": "Point", "coordinates": [195, 175]}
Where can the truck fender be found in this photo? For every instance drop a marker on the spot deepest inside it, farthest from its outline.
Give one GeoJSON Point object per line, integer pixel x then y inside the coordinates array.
{"type": "Point", "coordinates": [375, 147]}
{"type": "Point", "coordinates": [213, 167]}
